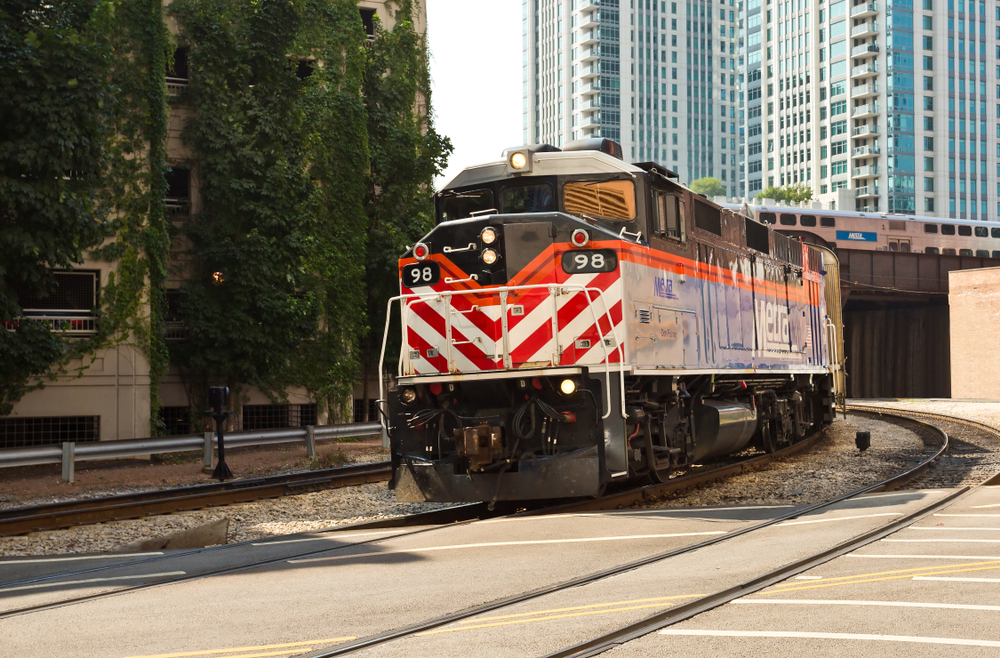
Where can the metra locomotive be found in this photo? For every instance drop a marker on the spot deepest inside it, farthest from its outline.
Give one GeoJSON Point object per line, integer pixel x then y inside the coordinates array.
{"type": "Point", "coordinates": [573, 319]}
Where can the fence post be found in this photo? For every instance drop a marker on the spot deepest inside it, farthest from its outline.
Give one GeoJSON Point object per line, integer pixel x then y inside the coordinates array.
{"type": "Point", "coordinates": [310, 440]}
{"type": "Point", "coordinates": [207, 461]}
{"type": "Point", "coordinates": [68, 455]}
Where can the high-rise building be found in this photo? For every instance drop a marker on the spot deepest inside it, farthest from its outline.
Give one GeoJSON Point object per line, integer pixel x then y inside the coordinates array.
{"type": "Point", "coordinates": [663, 78]}
{"type": "Point", "coordinates": [887, 98]}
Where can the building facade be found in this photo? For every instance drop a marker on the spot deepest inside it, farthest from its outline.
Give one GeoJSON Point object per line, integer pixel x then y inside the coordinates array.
{"type": "Point", "coordinates": [665, 79]}
{"type": "Point", "coordinates": [895, 100]}
{"type": "Point", "coordinates": [106, 395]}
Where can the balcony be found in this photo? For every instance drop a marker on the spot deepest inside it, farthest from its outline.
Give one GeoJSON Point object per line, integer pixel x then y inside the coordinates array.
{"type": "Point", "coordinates": [174, 331]}
{"type": "Point", "coordinates": [589, 88]}
{"type": "Point", "coordinates": [863, 91]}
{"type": "Point", "coordinates": [176, 86]}
{"type": "Point", "coordinates": [589, 21]}
{"type": "Point", "coordinates": [865, 50]}
{"type": "Point", "coordinates": [866, 191]}
{"type": "Point", "coordinates": [68, 325]}
{"type": "Point", "coordinates": [866, 110]}
{"type": "Point", "coordinates": [865, 172]}
{"type": "Point", "coordinates": [864, 69]}
{"type": "Point", "coordinates": [865, 10]}
{"type": "Point", "coordinates": [589, 123]}
{"type": "Point", "coordinates": [588, 38]}
{"type": "Point", "coordinates": [865, 131]}
{"type": "Point", "coordinates": [588, 6]}
{"type": "Point", "coordinates": [866, 29]}
{"type": "Point", "coordinates": [177, 209]}
{"type": "Point", "coordinates": [588, 55]}
{"type": "Point", "coordinates": [588, 72]}
{"type": "Point", "coordinates": [866, 151]}
{"type": "Point", "coordinates": [591, 105]}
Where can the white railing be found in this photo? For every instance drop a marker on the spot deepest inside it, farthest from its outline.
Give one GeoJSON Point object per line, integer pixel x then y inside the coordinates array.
{"type": "Point", "coordinates": [504, 344]}
{"type": "Point", "coordinates": [867, 8]}
{"type": "Point", "coordinates": [864, 50]}
{"type": "Point", "coordinates": [176, 86]}
{"type": "Point", "coordinates": [864, 28]}
{"type": "Point", "coordinates": [69, 325]}
{"type": "Point", "coordinates": [861, 110]}
{"type": "Point", "coordinates": [864, 69]}
{"type": "Point", "coordinates": [862, 131]}
{"type": "Point", "coordinates": [868, 149]}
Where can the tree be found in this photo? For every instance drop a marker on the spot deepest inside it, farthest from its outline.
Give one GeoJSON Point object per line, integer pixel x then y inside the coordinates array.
{"type": "Point", "coordinates": [709, 187]}
{"type": "Point", "coordinates": [56, 100]}
{"type": "Point", "coordinates": [796, 193]}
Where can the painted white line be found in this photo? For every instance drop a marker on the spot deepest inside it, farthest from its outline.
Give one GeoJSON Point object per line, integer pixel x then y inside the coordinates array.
{"type": "Point", "coordinates": [930, 557]}
{"type": "Point", "coordinates": [808, 577]}
{"type": "Point", "coordinates": [923, 527]}
{"type": "Point", "coordinates": [932, 492]}
{"type": "Point", "coordinates": [985, 506]}
{"type": "Point", "coordinates": [943, 541]}
{"type": "Point", "coordinates": [834, 636]}
{"type": "Point", "coordinates": [961, 580]}
{"type": "Point", "coordinates": [493, 544]}
{"type": "Point", "coordinates": [326, 538]}
{"type": "Point", "coordinates": [83, 557]}
{"type": "Point", "coordinates": [92, 580]}
{"type": "Point", "coordinates": [991, 516]}
{"type": "Point", "coordinates": [880, 604]}
{"type": "Point", "coordinates": [839, 518]}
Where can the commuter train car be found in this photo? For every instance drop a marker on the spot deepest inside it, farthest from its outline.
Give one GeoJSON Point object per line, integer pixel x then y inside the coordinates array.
{"type": "Point", "coordinates": [882, 232]}
{"type": "Point", "coordinates": [573, 319]}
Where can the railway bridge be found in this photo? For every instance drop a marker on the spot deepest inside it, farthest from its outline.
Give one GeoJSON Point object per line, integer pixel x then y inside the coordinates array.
{"type": "Point", "coordinates": [896, 321]}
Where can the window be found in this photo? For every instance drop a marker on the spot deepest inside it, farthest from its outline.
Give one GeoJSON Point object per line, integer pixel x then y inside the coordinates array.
{"type": "Point", "coordinates": [983, 253]}
{"type": "Point", "coordinates": [767, 218]}
{"type": "Point", "coordinates": [707, 217]}
{"type": "Point", "coordinates": [614, 199]}
{"type": "Point", "coordinates": [929, 166]}
{"type": "Point", "coordinates": [995, 232]}
{"type": "Point", "coordinates": [947, 229]}
{"type": "Point", "coordinates": [928, 43]}
{"type": "Point", "coordinates": [996, 254]}
{"type": "Point", "coordinates": [965, 231]}
{"type": "Point", "coordinates": [964, 252]}
{"type": "Point", "coordinates": [827, 222]}
{"type": "Point", "coordinates": [947, 252]}
{"type": "Point", "coordinates": [839, 107]}
{"type": "Point", "coordinates": [931, 250]}
{"type": "Point", "coordinates": [670, 215]}
{"type": "Point", "coordinates": [807, 220]}
{"type": "Point", "coordinates": [49, 430]}
{"type": "Point", "coordinates": [460, 205]}
{"type": "Point", "coordinates": [981, 232]}
{"type": "Point", "coordinates": [930, 228]}
{"type": "Point", "coordinates": [787, 219]}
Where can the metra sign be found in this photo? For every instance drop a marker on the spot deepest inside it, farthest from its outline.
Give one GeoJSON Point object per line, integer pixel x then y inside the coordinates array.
{"type": "Point", "coordinates": [859, 236]}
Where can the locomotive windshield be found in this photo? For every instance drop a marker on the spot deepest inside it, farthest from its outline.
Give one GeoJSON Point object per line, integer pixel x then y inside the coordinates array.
{"type": "Point", "coordinates": [528, 198]}
{"type": "Point", "coordinates": [458, 205]}
{"type": "Point", "coordinates": [614, 199]}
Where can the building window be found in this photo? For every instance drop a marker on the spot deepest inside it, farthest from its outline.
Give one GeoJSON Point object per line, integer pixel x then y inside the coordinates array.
{"type": "Point", "coordinates": [51, 430]}
{"type": "Point", "coordinates": [276, 416]}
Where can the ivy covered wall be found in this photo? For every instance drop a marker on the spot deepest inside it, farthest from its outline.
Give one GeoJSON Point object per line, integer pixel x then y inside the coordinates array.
{"type": "Point", "coordinates": [314, 172]}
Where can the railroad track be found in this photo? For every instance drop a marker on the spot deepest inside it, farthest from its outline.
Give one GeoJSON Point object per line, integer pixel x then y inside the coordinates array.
{"type": "Point", "coordinates": [21, 520]}
{"type": "Point", "coordinates": [446, 517]}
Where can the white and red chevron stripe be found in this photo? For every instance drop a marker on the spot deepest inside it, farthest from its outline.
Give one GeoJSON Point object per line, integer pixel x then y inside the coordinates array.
{"type": "Point", "coordinates": [476, 340]}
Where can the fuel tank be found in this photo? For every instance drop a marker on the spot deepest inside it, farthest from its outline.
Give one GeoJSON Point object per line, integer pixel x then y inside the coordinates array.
{"type": "Point", "coordinates": [722, 427]}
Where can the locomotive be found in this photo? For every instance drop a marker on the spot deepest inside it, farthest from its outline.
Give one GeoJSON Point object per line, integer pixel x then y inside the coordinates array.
{"type": "Point", "coordinates": [573, 320]}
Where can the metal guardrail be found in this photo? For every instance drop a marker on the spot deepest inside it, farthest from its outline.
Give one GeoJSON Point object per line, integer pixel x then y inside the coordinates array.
{"type": "Point", "coordinates": [69, 452]}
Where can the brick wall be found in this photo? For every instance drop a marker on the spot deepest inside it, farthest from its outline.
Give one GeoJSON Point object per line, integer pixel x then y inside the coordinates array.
{"type": "Point", "coordinates": [974, 298]}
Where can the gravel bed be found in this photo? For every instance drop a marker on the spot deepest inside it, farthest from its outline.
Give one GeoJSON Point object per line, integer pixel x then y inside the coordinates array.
{"type": "Point", "coordinates": [973, 455]}
{"type": "Point", "coordinates": [832, 467]}
{"type": "Point", "coordinates": [256, 520]}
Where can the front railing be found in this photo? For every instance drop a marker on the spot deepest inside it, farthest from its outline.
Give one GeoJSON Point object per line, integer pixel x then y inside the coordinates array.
{"type": "Point", "coordinates": [69, 325]}
{"type": "Point", "coordinates": [554, 290]}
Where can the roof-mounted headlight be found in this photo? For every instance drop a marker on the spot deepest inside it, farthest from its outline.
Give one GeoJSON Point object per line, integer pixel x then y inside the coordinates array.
{"type": "Point", "coordinates": [519, 162]}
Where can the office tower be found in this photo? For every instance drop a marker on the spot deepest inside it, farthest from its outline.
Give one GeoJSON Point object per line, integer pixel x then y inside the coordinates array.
{"type": "Point", "coordinates": [887, 98]}
{"type": "Point", "coordinates": [663, 78]}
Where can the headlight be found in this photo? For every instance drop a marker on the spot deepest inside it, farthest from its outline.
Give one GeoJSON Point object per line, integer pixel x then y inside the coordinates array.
{"type": "Point", "coordinates": [488, 236]}
{"type": "Point", "coordinates": [518, 160]}
{"type": "Point", "coordinates": [489, 256]}
{"type": "Point", "coordinates": [567, 387]}
{"type": "Point", "coordinates": [408, 395]}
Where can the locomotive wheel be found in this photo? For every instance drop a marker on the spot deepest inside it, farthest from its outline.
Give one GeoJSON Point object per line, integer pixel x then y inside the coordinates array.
{"type": "Point", "coordinates": [768, 441]}
{"type": "Point", "coordinates": [658, 472]}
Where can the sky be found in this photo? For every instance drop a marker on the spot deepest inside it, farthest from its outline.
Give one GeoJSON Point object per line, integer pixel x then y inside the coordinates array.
{"type": "Point", "coordinates": [476, 73]}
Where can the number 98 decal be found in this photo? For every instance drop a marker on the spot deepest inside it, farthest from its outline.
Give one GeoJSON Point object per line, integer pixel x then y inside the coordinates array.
{"type": "Point", "coordinates": [418, 275]}
{"type": "Point", "coordinates": [589, 261]}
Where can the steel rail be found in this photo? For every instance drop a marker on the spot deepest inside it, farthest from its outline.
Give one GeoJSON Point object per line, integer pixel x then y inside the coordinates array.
{"type": "Point", "coordinates": [21, 520]}
{"type": "Point", "coordinates": [450, 618]}
{"type": "Point", "coordinates": [680, 613]}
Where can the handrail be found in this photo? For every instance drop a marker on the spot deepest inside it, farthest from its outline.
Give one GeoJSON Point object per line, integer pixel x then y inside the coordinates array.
{"type": "Point", "coordinates": [503, 291]}
{"type": "Point", "coordinates": [70, 452]}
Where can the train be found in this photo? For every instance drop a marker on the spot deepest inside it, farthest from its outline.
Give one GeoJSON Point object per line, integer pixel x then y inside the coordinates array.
{"type": "Point", "coordinates": [881, 231]}
{"type": "Point", "coordinates": [574, 320]}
